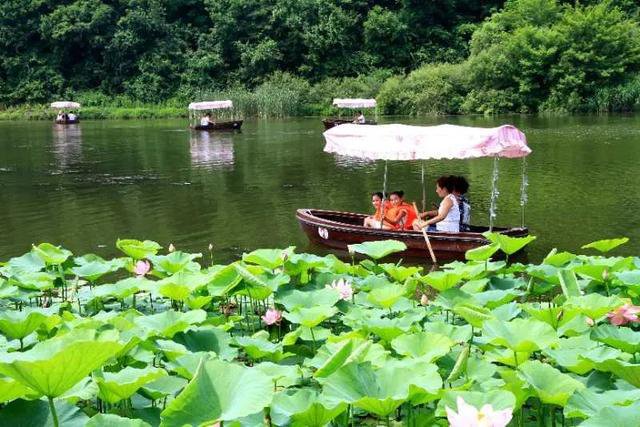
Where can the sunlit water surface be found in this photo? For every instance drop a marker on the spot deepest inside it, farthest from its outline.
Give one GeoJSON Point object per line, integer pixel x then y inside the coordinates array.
{"type": "Point", "coordinates": [84, 186]}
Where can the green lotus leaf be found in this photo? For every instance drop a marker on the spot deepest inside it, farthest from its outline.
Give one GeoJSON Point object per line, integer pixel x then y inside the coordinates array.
{"type": "Point", "coordinates": [507, 312]}
{"type": "Point", "coordinates": [441, 280]}
{"type": "Point", "coordinates": [552, 386]}
{"type": "Point", "coordinates": [121, 289]}
{"type": "Point", "coordinates": [614, 416]}
{"type": "Point", "coordinates": [301, 264]}
{"type": "Point", "coordinates": [269, 258]}
{"type": "Point", "coordinates": [195, 303]}
{"type": "Point", "coordinates": [310, 317]}
{"type": "Point", "coordinates": [170, 322]}
{"type": "Point", "coordinates": [168, 385]}
{"type": "Point", "coordinates": [498, 399]}
{"type": "Point", "coordinates": [453, 297]}
{"type": "Point", "coordinates": [515, 385]}
{"type": "Point", "coordinates": [219, 391]}
{"type": "Point", "coordinates": [282, 376]}
{"type": "Point", "coordinates": [428, 346]}
{"type": "Point", "coordinates": [386, 296]}
{"type": "Point", "coordinates": [112, 420]}
{"type": "Point", "coordinates": [36, 413]}
{"type": "Point", "coordinates": [473, 314]}
{"type": "Point", "coordinates": [378, 249]}
{"type": "Point", "coordinates": [171, 349]}
{"type": "Point", "coordinates": [18, 324]}
{"type": "Point", "coordinates": [27, 263]}
{"type": "Point", "coordinates": [258, 347]}
{"type": "Point", "coordinates": [482, 253]}
{"type": "Point", "coordinates": [173, 262]}
{"type": "Point", "coordinates": [257, 285]}
{"type": "Point", "coordinates": [509, 245]}
{"type": "Point", "coordinates": [295, 298]}
{"type": "Point", "coordinates": [496, 298]}
{"type": "Point", "coordinates": [592, 305]}
{"type": "Point", "coordinates": [629, 372]}
{"type": "Point", "coordinates": [51, 255]}
{"type": "Point", "coordinates": [592, 271]}
{"type": "Point", "coordinates": [474, 286]}
{"type": "Point", "coordinates": [607, 245]}
{"type": "Point", "coordinates": [624, 339]}
{"type": "Point", "coordinates": [630, 280]}
{"type": "Point", "coordinates": [180, 286]}
{"type": "Point", "coordinates": [520, 335]}
{"type": "Point", "coordinates": [34, 281]}
{"type": "Point", "coordinates": [336, 360]}
{"type": "Point", "coordinates": [303, 408]}
{"type": "Point", "coordinates": [86, 389]}
{"type": "Point", "coordinates": [93, 270]}
{"type": "Point", "coordinates": [587, 403]}
{"type": "Point", "coordinates": [569, 283]}
{"type": "Point", "coordinates": [458, 334]}
{"type": "Point", "coordinates": [207, 338]}
{"type": "Point", "coordinates": [11, 389]}
{"type": "Point", "coordinates": [52, 367]}
{"type": "Point", "coordinates": [137, 249]}
{"type": "Point", "coordinates": [558, 259]}
{"type": "Point", "coordinates": [8, 291]}
{"type": "Point", "coordinates": [116, 386]}
{"type": "Point", "coordinates": [223, 281]}
{"type": "Point", "coordinates": [400, 273]}
{"type": "Point", "coordinates": [332, 355]}
{"type": "Point", "coordinates": [186, 365]}
{"type": "Point", "coordinates": [546, 313]}
{"type": "Point", "coordinates": [388, 329]}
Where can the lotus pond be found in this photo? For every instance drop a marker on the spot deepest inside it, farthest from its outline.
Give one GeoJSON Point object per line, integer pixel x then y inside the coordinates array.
{"type": "Point", "coordinates": [279, 338]}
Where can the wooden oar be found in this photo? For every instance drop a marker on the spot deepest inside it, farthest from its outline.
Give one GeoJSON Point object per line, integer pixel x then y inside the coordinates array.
{"type": "Point", "coordinates": [426, 238]}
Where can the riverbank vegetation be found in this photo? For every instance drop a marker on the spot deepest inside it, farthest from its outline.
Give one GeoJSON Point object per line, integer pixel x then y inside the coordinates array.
{"type": "Point", "coordinates": [280, 338]}
{"type": "Point", "coordinates": [150, 58]}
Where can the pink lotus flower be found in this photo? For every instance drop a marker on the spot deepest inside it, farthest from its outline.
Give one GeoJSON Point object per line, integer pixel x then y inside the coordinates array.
{"type": "Point", "coordinates": [142, 268]}
{"type": "Point", "coordinates": [424, 299]}
{"type": "Point", "coordinates": [469, 416]}
{"type": "Point", "coordinates": [343, 287]}
{"type": "Point", "coordinates": [623, 315]}
{"type": "Point", "coordinates": [272, 316]}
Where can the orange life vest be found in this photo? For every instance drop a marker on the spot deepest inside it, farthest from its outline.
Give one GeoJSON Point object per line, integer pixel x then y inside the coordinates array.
{"type": "Point", "coordinates": [412, 215]}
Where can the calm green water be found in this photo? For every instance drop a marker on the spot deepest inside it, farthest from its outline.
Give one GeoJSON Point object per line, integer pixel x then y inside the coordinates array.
{"type": "Point", "coordinates": [85, 186]}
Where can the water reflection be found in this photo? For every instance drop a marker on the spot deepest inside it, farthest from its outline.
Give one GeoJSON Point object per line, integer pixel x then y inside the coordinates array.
{"type": "Point", "coordinates": [352, 162]}
{"type": "Point", "coordinates": [209, 149]}
{"type": "Point", "coordinates": [67, 145]}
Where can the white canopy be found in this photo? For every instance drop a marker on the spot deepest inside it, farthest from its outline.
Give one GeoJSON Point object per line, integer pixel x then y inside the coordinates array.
{"type": "Point", "coordinates": [354, 103]}
{"type": "Point", "coordinates": [403, 142]}
{"type": "Point", "coordinates": [211, 105]}
{"type": "Point", "coordinates": [65, 104]}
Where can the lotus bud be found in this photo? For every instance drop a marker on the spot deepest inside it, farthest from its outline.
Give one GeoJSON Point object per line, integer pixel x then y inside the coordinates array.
{"type": "Point", "coordinates": [284, 255]}
{"type": "Point", "coordinates": [172, 248]}
{"type": "Point", "coordinates": [589, 321]}
{"type": "Point", "coordinates": [210, 247]}
{"type": "Point", "coordinates": [424, 300]}
{"type": "Point", "coordinates": [351, 250]}
{"type": "Point", "coordinates": [605, 275]}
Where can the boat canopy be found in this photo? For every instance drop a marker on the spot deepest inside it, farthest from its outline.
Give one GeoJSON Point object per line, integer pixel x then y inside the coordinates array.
{"type": "Point", "coordinates": [65, 104]}
{"type": "Point", "coordinates": [403, 142]}
{"type": "Point", "coordinates": [354, 103]}
{"type": "Point", "coordinates": [211, 105]}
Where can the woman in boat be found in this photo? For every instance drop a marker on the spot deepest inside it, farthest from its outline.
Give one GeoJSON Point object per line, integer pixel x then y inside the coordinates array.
{"type": "Point", "coordinates": [60, 116]}
{"type": "Point", "coordinates": [206, 120]}
{"type": "Point", "coordinates": [448, 214]}
{"type": "Point", "coordinates": [360, 120]}
{"type": "Point", "coordinates": [460, 188]}
{"type": "Point", "coordinates": [400, 214]}
{"type": "Point", "coordinates": [374, 221]}
{"type": "Point", "coordinates": [72, 116]}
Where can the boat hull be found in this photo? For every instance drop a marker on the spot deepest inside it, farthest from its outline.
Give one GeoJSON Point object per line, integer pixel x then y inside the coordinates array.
{"type": "Point", "coordinates": [230, 125]}
{"type": "Point", "coordinates": [339, 229]}
{"type": "Point", "coordinates": [67, 122]}
{"type": "Point", "coordinates": [331, 122]}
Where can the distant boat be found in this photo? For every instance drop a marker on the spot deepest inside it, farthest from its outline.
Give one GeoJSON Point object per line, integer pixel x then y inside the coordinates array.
{"type": "Point", "coordinates": [66, 105]}
{"type": "Point", "coordinates": [195, 117]}
{"type": "Point", "coordinates": [353, 104]}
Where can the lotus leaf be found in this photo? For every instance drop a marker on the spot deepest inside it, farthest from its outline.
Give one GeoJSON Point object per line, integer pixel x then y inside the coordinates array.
{"type": "Point", "coordinates": [441, 280]}
{"type": "Point", "coordinates": [36, 413]}
{"type": "Point", "coordinates": [11, 389]}
{"type": "Point", "coordinates": [174, 262]}
{"type": "Point", "coordinates": [629, 372]}
{"type": "Point", "coordinates": [34, 281]}
{"type": "Point", "coordinates": [586, 403]}
{"type": "Point", "coordinates": [111, 420]}
{"type": "Point", "coordinates": [428, 346]}
{"type": "Point", "coordinates": [310, 317]}
{"type": "Point", "coordinates": [400, 273]}
{"type": "Point", "coordinates": [386, 296]}
{"type": "Point", "coordinates": [515, 385]}
{"type": "Point", "coordinates": [171, 349]}
{"type": "Point", "coordinates": [332, 355]}
{"type": "Point", "coordinates": [520, 335]}
{"type": "Point", "coordinates": [498, 399]}
{"type": "Point", "coordinates": [615, 416]}
{"type": "Point", "coordinates": [558, 259]}
{"type": "Point", "coordinates": [388, 329]}
{"type": "Point", "coordinates": [606, 245]}
{"type": "Point", "coordinates": [594, 272]}
{"type": "Point", "coordinates": [592, 305]}
{"type": "Point", "coordinates": [301, 264]}
{"type": "Point", "coordinates": [54, 366]}
{"type": "Point", "coordinates": [507, 312]}
{"type": "Point", "coordinates": [258, 347]}
{"type": "Point", "coordinates": [223, 281]}
{"type": "Point", "coordinates": [281, 375]}
{"type": "Point", "coordinates": [378, 249]}
{"type": "Point", "coordinates": [19, 324]}
{"type": "Point", "coordinates": [509, 245]}
{"type": "Point", "coordinates": [456, 333]}
{"type": "Point", "coordinates": [624, 339]}
{"type": "Point", "coordinates": [116, 386]}
{"type": "Point", "coordinates": [473, 314]}
{"type": "Point", "coordinates": [482, 253]}
{"type": "Point", "coordinates": [186, 365]}
{"type": "Point", "coordinates": [496, 298]}
{"type": "Point", "coordinates": [256, 285]}
{"type": "Point", "coordinates": [51, 255]}
{"type": "Point", "coordinates": [170, 322]}
{"type": "Point", "coordinates": [303, 408]}
{"type": "Point", "coordinates": [569, 283]}
{"type": "Point", "coordinates": [292, 299]}
{"type": "Point", "coordinates": [219, 391]}
{"type": "Point", "coordinates": [269, 258]}
{"type": "Point", "coordinates": [121, 289]}
{"type": "Point", "coordinates": [195, 303]}
{"type": "Point", "coordinates": [207, 338]}
{"type": "Point", "coordinates": [453, 297]}
{"type": "Point", "coordinates": [167, 385]}
{"type": "Point", "coordinates": [86, 389]}
{"type": "Point", "coordinates": [181, 285]}
{"type": "Point", "coordinates": [552, 386]}
{"type": "Point", "coordinates": [27, 263]}
{"type": "Point", "coordinates": [137, 249]}
{"type": "Point", "coordinates": [630, 280]}
{"type": "Point", "coordinates": [546, 313]}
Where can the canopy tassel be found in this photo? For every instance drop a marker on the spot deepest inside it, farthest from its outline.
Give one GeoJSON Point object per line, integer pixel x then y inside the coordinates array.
{"type": "Point", "coordinates": [494, 194]}
{"type": "Point", "coordinates": [524, 198]}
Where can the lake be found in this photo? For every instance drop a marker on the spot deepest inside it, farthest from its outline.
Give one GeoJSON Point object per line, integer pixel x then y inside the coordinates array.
{"type": "Point", "coordinates": [86, 185]}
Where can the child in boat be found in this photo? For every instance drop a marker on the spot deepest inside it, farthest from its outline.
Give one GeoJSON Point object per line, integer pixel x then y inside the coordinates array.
{"type": "Point", "coordinates": [375, 220]}
{"type": "Point", "coordinates": [447, 217]}
{"type": "Point", "coordinates": [460, 188]}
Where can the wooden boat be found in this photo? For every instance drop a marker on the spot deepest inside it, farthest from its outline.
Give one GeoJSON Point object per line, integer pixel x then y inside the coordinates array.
{"type": "Point", "coordinates": [337, 230]}
{"type": "Point", "coordinates": [230, 125]}
{"type": "Point", "coordinates": [67, 122]}
{"type": "Point", "coordinates": [334, 121]}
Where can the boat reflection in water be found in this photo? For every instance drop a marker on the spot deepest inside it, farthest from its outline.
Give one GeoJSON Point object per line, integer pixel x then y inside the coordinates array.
{"type": "Point", "coordinates": [211, 150]}
{"type": "Point", "coordinates": [67, 145]}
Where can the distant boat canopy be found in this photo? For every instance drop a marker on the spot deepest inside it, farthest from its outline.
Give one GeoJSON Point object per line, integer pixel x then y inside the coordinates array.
{"type": "Point", "coordinates": [65, 104]}
{"type": "Point", "coordinates": [211, 105]}
{"type": "Point", "coordinates": [354, 103]}
{"type": "Point", "coordinates": [403, 142]}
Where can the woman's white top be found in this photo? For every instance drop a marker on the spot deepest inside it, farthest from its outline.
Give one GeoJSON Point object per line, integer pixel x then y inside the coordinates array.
{"type": "Point", "coordinates": [72, 116]}
{"type": "Point", "coordinates": [451, 222]}
{"type": "Point", "coordinates": [361, 119]}
{"type": "Point", "coordinates": [204, 121]}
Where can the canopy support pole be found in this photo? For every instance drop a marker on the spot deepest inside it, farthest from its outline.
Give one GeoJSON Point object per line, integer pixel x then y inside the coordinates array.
{"type": "Point", "coordinates": [494, 193]}
{"type": "Point", "coordinates": [384, 194]}
{"type": "Point", "coordinates": [523, 190]}
{"type": "Point", "coordinates": [424, 191]}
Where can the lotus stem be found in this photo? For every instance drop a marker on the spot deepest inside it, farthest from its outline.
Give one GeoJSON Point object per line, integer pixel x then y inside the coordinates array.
{"type": "Point", "coordinates": [313, 337]}
{"type": "Point", "coordinates": [553, 416]}
{"type": "Point", "coordinates": [54, 414]}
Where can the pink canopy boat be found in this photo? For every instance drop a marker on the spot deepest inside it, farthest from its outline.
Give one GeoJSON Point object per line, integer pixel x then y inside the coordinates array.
{"type": "Point", "coordinates": [402, 142]}
{"type": "Point", "coordinates": [351, 104]}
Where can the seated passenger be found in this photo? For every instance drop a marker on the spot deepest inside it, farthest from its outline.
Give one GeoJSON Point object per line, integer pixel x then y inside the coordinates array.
{"type": "Point", "coordinates": [206, 120]}
{"type": "Point", "coordinates": [72, 117]}
{"type": "Point", "coordinates": [360, 119]}
{"type": "Point", "coordinates": [374, 221]}
{"type": "Point", "coordinates": [412, 215]}
{"type": "Point", "coordinates": [448, 214]}
{"type": "Point", "coordinates": [460, 188]}
{"type": "Point", "coordinates": [397, 213]}
{"type": "Point", "coordinates": [60, 116]}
